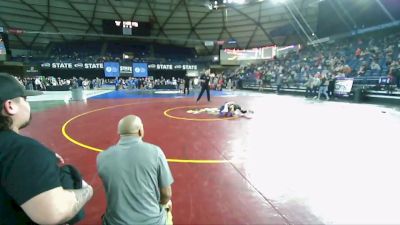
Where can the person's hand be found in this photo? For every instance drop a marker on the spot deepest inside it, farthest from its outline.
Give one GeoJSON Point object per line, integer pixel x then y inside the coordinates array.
{"type": "Point", "coordinates": [169, 205]}
{"type": "Point", "coordinates": [60, 159]}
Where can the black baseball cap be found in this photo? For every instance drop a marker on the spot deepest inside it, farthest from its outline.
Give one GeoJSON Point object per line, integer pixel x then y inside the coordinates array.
{"type": "Point", "coordinates": [10, 88]}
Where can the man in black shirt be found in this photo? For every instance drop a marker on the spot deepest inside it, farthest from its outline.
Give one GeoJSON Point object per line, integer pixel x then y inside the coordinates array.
{"type": "Point", "coordinates": [205, 85]}
{"type": "Point", "coordinates": [30, 185]}
{"type": "Point", "coordinates": [186, 85]}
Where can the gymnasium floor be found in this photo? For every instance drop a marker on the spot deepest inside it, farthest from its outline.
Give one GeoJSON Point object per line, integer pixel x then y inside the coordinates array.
{"type": "Point", "coordinates": [296, 161]}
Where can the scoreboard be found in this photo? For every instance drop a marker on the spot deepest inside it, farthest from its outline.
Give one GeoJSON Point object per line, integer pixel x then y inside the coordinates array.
{"type": "Point", "coordinates": [130, 28]}
{"type": "Point", "coordinates": [240, 56]}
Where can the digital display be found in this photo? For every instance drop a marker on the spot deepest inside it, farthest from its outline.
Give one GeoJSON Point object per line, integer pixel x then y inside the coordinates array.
{"type": "Point", "coordinates": [236, 56]}
{"type": "Point", "coordinates": [130, 28]}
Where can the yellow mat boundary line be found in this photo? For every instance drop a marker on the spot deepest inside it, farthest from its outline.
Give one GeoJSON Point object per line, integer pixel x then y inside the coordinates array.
{"type": "Point", "coordinates": [69, 138]}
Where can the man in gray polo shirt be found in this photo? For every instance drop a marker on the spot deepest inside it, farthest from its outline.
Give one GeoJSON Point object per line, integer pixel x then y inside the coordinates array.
{"type": "Point", "coordinates": [136, 178]}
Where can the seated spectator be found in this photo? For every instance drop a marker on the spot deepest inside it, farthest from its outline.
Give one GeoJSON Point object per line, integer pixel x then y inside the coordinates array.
{"type": "Point", "coordinates": [375, 66]}
{"type": "Point", "coordinates": [136, 178]}
{"type": "Point", "coordinates": [362, 70]}
{"type": "Point", "coordinates": [346, 70]}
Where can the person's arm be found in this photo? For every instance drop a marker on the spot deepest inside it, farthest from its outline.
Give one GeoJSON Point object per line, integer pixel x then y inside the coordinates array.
{"type": "Point", "coordinates": [57, 206]}
{"type": "Point", "coordinates": [165, 179]}
{"type": "Point", "coordinates": [165, 195]}
{"type": "Point", "coordinates": [33, 181]}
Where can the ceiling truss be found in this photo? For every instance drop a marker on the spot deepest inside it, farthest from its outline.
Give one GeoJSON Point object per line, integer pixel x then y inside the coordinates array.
{"type": "Point", "coordinates": [180, 22]}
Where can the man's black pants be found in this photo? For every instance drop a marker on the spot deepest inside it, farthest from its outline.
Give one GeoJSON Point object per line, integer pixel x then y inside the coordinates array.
{"type": "Point", "coordinates": [204, 88]}
{"type": "Point", "coordinates": [186, 88]}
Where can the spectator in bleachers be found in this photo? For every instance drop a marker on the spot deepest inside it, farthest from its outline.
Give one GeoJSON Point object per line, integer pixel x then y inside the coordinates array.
{"type": "Point", "coordinates": [38, 84]}
{"type": "Point", "coordinates": [358, 52]}
{"type": "Point", "coordinates": [375, 66]}
{"type": "Point", "coordinates": [30, 84]}
{"type": "Point", "coordinates": [309, 86]}
{"type": "Point", "coordinates": [362, 70]}
{"type": "Point", "coordinates": [394, 71]}
{"type": "Point", "coordinates": [331, 85]}
{"type": "Point", "coordinates": [279, 82]}
{"type": "Point", "coordinates": [80, 82]}
{"type": "Point", "coordinates": [323, 87]}
{"type": "Point", "coordinates": [316, 84]}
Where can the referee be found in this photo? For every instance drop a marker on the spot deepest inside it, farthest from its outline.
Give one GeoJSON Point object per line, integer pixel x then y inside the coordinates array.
{"type": "Point", "coordinates": [205, 85]}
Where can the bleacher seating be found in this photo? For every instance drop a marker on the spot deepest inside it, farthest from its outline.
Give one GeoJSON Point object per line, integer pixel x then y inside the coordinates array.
{"type": "Point", "coordinates": [334, 58]}
{"type": "Point", "coordinates": [117, 48]}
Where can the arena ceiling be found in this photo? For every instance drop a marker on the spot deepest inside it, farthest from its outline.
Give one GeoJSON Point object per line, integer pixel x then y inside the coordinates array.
{"type": "Point", "coordinates": [178, 22]}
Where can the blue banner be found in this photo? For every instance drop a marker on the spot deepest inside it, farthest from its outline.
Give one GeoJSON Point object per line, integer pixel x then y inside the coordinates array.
{"type": "Point", "coordinates": [140, 69]}
{"type": "Point", "coordinates": [111, 69]}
